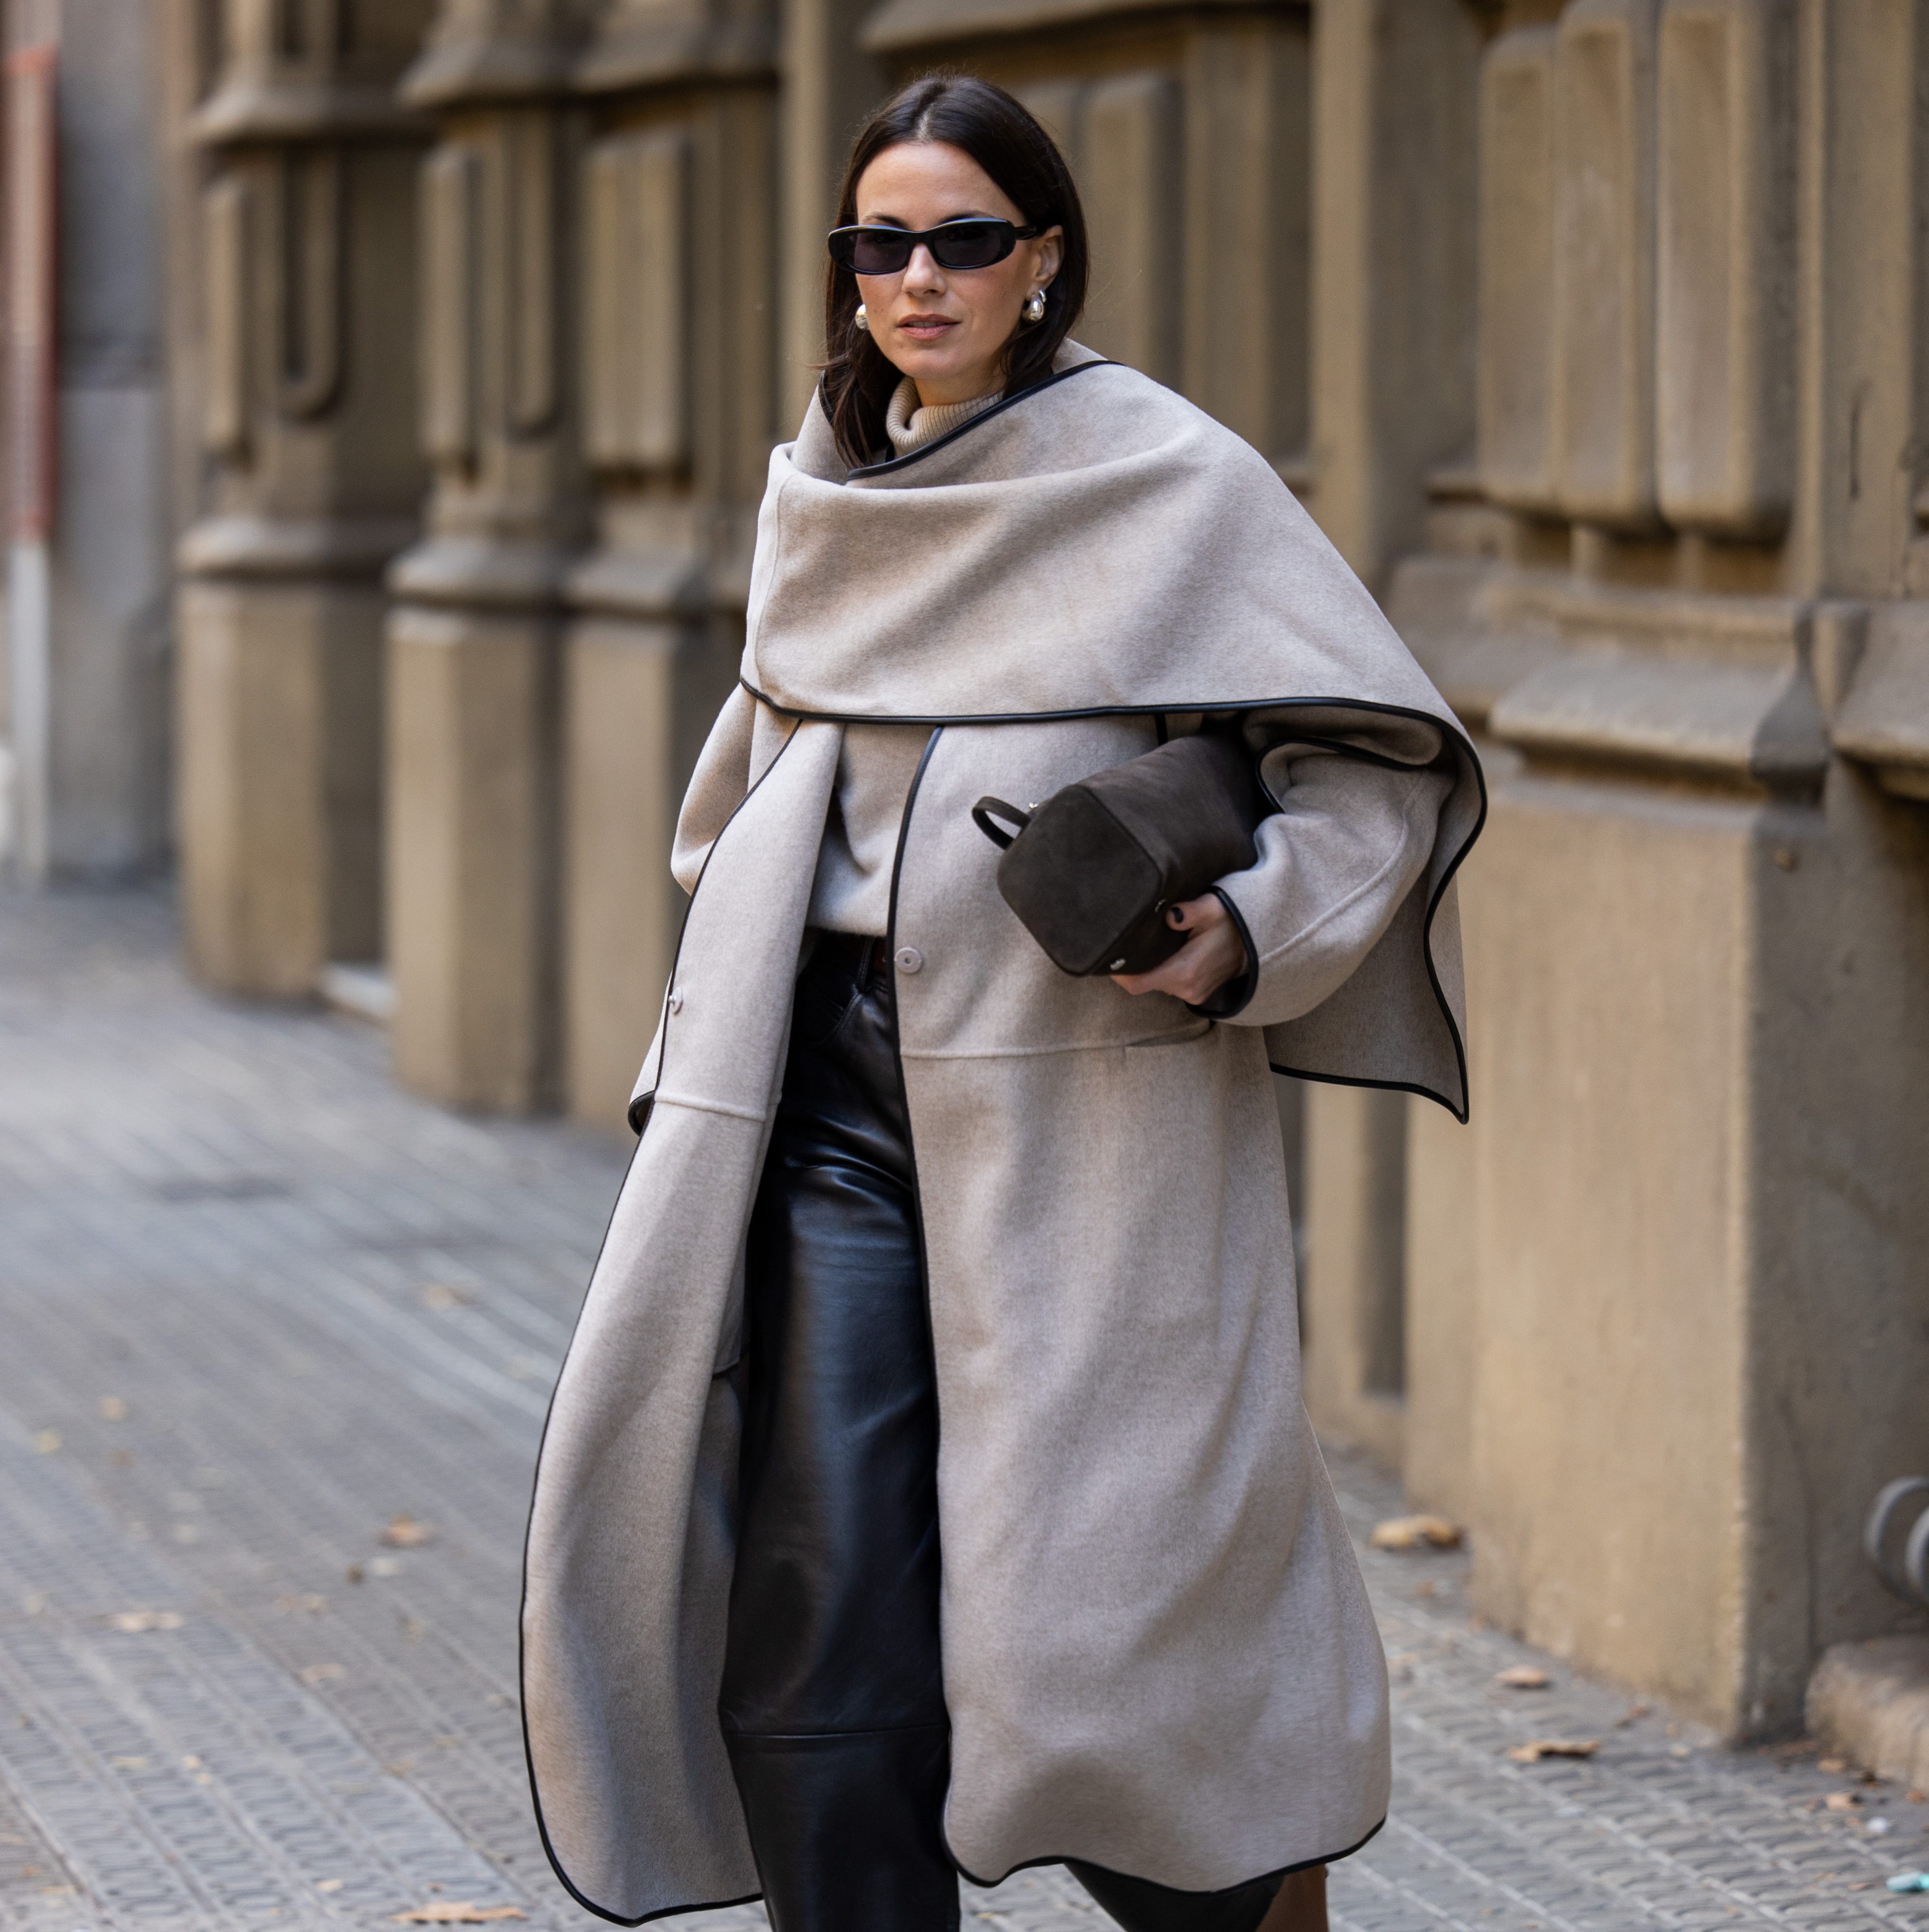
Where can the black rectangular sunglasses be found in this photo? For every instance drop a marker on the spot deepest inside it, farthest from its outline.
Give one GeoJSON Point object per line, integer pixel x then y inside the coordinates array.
{"type": "Point", "coordinates": [976, 243]}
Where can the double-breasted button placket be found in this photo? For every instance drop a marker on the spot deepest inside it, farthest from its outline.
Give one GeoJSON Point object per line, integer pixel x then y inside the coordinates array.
{"type": "Point", "coordinates": [909, 959]}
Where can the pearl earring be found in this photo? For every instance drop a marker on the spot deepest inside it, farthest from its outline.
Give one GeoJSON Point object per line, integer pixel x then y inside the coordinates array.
{"type": "Point", "coordinates": [862, 319]}
{"type": "Point", "coordinates": [1034, 308]}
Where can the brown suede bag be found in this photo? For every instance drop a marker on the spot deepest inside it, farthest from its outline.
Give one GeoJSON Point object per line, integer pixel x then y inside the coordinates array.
{"type": "Point", "coordinates": [1092, 871]}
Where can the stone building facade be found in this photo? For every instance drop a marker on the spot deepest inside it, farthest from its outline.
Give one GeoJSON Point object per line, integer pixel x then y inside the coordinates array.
{"type": "Point", "coordinates": [1596, 335]}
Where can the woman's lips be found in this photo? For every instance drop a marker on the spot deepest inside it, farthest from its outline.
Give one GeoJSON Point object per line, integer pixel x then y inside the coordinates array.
{"type": "Point", "coordinates": [925, 328]}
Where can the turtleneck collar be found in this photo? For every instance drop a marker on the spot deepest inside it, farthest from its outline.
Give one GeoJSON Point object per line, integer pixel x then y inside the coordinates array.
{"type": "Point", "coordinates": [910, 428]}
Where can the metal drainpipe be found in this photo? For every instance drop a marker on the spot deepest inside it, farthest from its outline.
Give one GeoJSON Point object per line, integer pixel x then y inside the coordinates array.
{"type": "Point", "coordinates": [31, 254]}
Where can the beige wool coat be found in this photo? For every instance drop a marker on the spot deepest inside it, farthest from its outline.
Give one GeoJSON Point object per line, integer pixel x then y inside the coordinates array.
{"type": "Point", "coordinates": [1157, 1652]}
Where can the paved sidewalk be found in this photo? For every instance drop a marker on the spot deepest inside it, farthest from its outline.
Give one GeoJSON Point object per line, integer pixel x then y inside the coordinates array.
{"type": "Point", "coordinates": [256, 1304]}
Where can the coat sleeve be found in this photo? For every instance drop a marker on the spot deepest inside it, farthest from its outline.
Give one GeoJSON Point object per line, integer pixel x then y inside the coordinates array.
{"type": "Point", "coordinates": [1349, 842]}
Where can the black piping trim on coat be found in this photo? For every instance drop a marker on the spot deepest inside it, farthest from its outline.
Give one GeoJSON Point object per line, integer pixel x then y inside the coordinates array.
{"type": "Point", "coordinates": [522, 1646]}
{"type": "Point", "coordinates": [895, 463]}
{"type": "Point", "coordinates": [1281, 1872]}
{"type": "Point", "coordinates": [897, 1059]}
{"type": "Point", "coordinates": [910, 1139]}
{"type": "Point", "coordinates": [1459, 1112]}
{"type": "Point", "coordinates": [1229, 1001]}
{"type": "Point", "coordinates": [1378, 1086]}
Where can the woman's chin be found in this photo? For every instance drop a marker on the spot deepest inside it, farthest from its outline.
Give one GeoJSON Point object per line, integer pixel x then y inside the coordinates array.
{"type": "Point", "coordinates": [941, 363]}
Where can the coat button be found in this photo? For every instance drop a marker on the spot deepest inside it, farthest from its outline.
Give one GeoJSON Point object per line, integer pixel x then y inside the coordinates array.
{"type": "Point", "coordinates": [909, 959]}
{"type": "Point", "coordinates": [676, 1002]}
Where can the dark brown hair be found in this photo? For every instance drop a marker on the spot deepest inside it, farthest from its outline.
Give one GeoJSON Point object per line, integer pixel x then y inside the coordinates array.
{"type": "Point", "coordinates": [1008, 143]}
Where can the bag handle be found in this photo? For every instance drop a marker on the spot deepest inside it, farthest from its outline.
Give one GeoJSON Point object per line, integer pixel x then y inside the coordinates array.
{"type": "Point", "coordinates": [988, 809]}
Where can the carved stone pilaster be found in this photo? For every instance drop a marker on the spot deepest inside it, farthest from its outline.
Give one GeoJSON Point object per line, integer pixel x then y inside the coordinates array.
{"type": "Point", "coordinates": [679, 185]}
{"type": "Point", "coordinates": [304, 240]}
{"type": "Point", "coordinates": [474, 637]}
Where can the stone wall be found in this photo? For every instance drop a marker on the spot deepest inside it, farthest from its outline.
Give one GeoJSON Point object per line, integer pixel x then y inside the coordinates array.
{"type": "Point", "coordinates": [1590, 334]}
{"type": "Point", "coordinates": [1682, 1311]}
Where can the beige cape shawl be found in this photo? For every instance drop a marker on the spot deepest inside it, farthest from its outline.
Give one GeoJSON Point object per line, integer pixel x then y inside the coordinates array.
{"type": "Point", "coordinates": [1159, 1655]}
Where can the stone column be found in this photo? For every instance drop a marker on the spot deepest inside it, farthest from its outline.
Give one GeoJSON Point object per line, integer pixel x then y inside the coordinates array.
{"type": "Point", "coordinates": [829, 85]}
{"type": "Point", "coordinates": [1395, 87]}
{"type": "Point", "coordinates": [302, 280]}
{"type": "Point", "coordinates": [475, 638]}
{"type": "Point", "coordinates": [680, 195]}
{"type": "Point", "coordinates": [1355, 1238]}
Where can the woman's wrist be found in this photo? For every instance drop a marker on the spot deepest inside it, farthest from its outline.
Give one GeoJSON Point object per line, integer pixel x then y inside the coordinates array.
{"type": "Point", "coordinates": [1215, 953]}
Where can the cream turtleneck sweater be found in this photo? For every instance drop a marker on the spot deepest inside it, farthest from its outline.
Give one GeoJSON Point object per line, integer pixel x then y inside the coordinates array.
{"type": "Point", "coordinates": [909, 427]}
{"type": "Point", "coordinates": [851, 891]}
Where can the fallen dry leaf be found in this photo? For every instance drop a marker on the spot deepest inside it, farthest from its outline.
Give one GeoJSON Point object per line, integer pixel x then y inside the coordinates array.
{"type": "Point", "coordinates": [448, 1912]}
{"type": "Point", "coordinates": [405, 1533]}
{"type": "Point", "coordinates": [113, 1409]}
{"type": "Point", "coordinates": [1833, 1766]}
{"type": "Point", "coordinates": [46, 1440]}
{"type": "Point", "coordinates": [1523, 1677]}
{"type": "Point", "coordinates": [440, 1297]}
{"type": "Point", "coordinates": [133, 1622]}
{"type": "Point", "coordinates": [1843, 1801]}
{"type": "Point", "coordinates": [128, 1763]}
{"type": "Point", "coordinates": [1633, 1715]}
{"type": "Point", "coordinates": [1416, 1532]}
{"type": "Point", "coordinates": [1535, 1749]}
{"type": "Point", "coordinates": [322, 1673]}
{"type": "Point", "coordinates": [329, 1884]}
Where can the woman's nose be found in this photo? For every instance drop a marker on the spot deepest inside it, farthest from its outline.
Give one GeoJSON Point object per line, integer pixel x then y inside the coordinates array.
{"type": "Point", "coordinates": [922, 270]}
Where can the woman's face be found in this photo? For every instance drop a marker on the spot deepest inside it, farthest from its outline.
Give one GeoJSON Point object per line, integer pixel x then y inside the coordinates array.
{"type": "Point", "coordinates": [946, 329]}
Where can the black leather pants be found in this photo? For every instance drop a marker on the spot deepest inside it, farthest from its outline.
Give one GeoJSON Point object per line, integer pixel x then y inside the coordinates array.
{"type": "Point", "coordinates": [832, 1705]}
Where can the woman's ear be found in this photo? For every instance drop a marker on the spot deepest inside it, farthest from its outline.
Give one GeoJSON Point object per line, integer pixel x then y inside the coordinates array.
{"type": "Point", "coordinates": [1051, 254]}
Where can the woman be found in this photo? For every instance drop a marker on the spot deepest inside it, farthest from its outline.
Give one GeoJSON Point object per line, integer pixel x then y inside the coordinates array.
{"type": "Point", "coordinates": [927, 1488]}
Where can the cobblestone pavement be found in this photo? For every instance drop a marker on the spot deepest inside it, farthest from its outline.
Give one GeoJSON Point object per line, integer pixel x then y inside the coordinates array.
{"type": "Point", "coordinates": [256, 1304]}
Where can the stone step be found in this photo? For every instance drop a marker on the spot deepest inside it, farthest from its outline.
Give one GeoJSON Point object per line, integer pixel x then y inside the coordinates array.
{"type": "Point", "coordinates": [1870, 1703]}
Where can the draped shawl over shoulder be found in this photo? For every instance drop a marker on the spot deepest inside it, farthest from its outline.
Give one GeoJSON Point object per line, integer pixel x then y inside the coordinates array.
{"type": "Point", "coordinates": [1098, 544]}
{"type": "Point", "coordinates": [1158, 1656]}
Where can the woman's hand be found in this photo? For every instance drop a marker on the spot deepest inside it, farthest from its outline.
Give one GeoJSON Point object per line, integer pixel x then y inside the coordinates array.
{"type": "Point", "coordinates": [1214, 954]}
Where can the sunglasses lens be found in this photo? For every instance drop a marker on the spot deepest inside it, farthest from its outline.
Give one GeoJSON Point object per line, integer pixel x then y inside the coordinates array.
{"type": "Point", "coordinates": [876, 253]}
{"type": "Point", "coordinates": [972, 245]}
{"type": "Point", "coordinates": [957, 244]}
